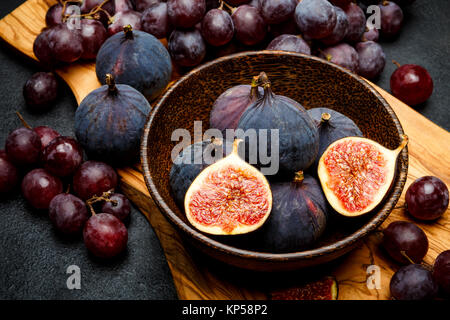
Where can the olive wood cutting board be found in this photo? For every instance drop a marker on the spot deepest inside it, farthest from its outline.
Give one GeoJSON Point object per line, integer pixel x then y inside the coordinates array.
{"type": "Point", "coordinates": [198, 277]}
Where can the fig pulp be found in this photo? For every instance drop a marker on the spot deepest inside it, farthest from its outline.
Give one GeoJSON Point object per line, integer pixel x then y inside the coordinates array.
{"type": "Point", "coordinates": [332, 126]}
{"type": "Point", "coordinates": [324, 289]}
{"type": "Point", "coordinates": [356, 173]}
{"type": "Point", "coordinates": [298, 215]}
{"type": "Point", "coordinates": [228, 197]}
{"type": "Point", "coordinates": [191, 161]}
{"type": "Point", "coordinates": [230, 105]}
{"type": "Point", "coordinates": [298, 143]}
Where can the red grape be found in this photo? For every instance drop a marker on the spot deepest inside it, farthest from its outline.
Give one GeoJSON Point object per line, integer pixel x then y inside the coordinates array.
{"type": "Point", "coordinates": [185, 13]}
{"type": "Point", "coordinates": [412, 84]}
{"type": "Point", "coordinates": [342, 54]}
{"type": "Point", "coordinates": [46, 135]}
{"type": "Point", "coordinates": [340, 29]}
{"type": "Point", "coordinates": [68, 213]}
{"type": "Point", "coordinates": [54, 15]}
{"type": "Point", "coordinates": [356, 22]}
{"type": "Point", "coordinates": [39, 188]}
{"type": "Point", "coordinates": [93, 178]}
{"type": "Point", "coordinates": [413, 282]}
{"type": "Point", "coordinates": [187, 47]}
{"type": "Point", "coordinates": [93, 34]}
{"type": "Point", "coordinates": [217, 27]}
{"type": "Point", "coordinates": [142, 5]}
{"type": "Point", "coordinates": [249, 25]}
{"type": "Point", "coordinates": [403, 236]}
{"type": "Point", "coordinates": [256, 4]}
{"type": "Point", "coordinates": [62, 156]}
{"type": "Point", "coordinates": [66, 45]}
{"type": "Point", "coordinates": [427, 198]}
{"type": "Point", "coordinates": [9, 175]}
{"type": "Point", "coordinates": [88, 5]}
{"type": "Point", "coordinates": [289, 42]}
{"type": "Point", "coordinates": [119, 206]}
{"type": "Point", "coordinates": [23, 147]}
{"type": "Point", "coordinates": [441, 271]}
{"type": "Point", "coordinates": [315, 18]}
{"type": "Point", "coordinates": [105, 236]}
{"type": "Point", "coordinates": [371, 35]}
{"type": "Point", "coordinates": [122, 5]}
{"type": "Point", "coordinates": [277, 11]}
{"type": "Point", "coordinates": [41, 49]}
{"type": "Point", "coordinates": [121, 19]}
{"type": "Point", "coordinates": [371, 59]}
{"type": "Point", "coordinates": [41, 91]}
{"type": "Point", "coordinates": [155, 20]}
{"type": "Point", "coordinates": [391, 18]}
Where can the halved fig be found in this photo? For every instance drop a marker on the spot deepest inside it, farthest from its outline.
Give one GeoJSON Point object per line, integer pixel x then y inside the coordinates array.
{"type": "Point", "coordinates": [228, 197]}
{"type": "Point", "coordinates": [323, 289]}
{"type": "Point", "coordinates": [356, 173]}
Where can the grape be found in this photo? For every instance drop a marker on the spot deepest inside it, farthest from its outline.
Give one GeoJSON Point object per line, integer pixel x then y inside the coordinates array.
{"type": "Point", "coordinates": [391, 19]}
{"type": "Point", "coordinates": [256, 4]}
{"type": "Point", "coordinates": [62, 156]}
{"type": "Point", "coordinates": [356, 22]}
{"type": "Point", "coordinates": [105, 236]}
{"type": "Point", "coordinates": [93, 178]}
{"type": "Point", "coordinates": [371, 35]}
{"type": "Point", "coordinates": [217, 27]}
{"type": "Point", "coordinates": [41, 49]}
{"type": "Point", "coordinates": [289, 42]}
{"type": "Point", "coordinates": [142, 5]}
{"type": "Point", "coordinates": [287, 27]}
{"type": "Point", "coordinates": [277, 11]}
{"type": "Point", "coordinates": [413, 282]}
{"type": "Point", "coordinates": [40, 91]}
{"type": "Point", "coordinates": [405, 236]}
{"type": "Point", "coordinates": [23, 147]}
{"type": "Point", "coordinates": [119, 206]}
{"type": "Point", "coordinates": [249, 25]}
{"type": "Point", "coordinates": [39, 188]}
{"type": "Point", "coordinates": [441, 271]}
{"type": "Point", "coordinates": [68, 213]}
{"type": "Point", "coordinates": [315, 18]}
{"type": "Point", "coordinates": [187, 47]}
{"type": "Point", "coordinates": [93, 34]}
{"type": "Point", "coordinates": [46, 135]}
{"type": "Point", "coordinates": [412, 84]}
{"type": "Point", "coordinates": [53, 16]}
{"type": "Point", "coordinates": [155, 20]}
{"type": "Point", "coordinates": [121, 19]}
{"type": "Point", "coordinates": [371, 59]}
{"type": "Point", "coordinates": [88, 5]}
{"type": "Point", "coordinates": [340, 29]}
{"type": "Point", "coordinates": [9, 175]}
{"type": "Point", "coordinates": [122, 5]}
{"type": "Point", "coordinates": [427, 198]}
{"type": "Point", "coordinates": [66, 45]}
{"type": "Point", "coordinates": [342, 54]}
{"type": "Point", "coordinates": [185, 13]}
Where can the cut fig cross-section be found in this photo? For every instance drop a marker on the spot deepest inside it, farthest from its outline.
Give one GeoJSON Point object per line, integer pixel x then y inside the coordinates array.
{"type": "Point", "coordinates": [356, 173]}
{"type": "Point", "coordinates": [228, 197]}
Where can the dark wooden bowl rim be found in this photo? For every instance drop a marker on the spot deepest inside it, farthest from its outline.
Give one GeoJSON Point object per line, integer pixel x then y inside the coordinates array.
{"type": "Point", "coordinates": [373, 224]}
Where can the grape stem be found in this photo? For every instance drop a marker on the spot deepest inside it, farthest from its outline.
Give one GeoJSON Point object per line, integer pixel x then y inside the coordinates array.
{"type": "Point", "coordinates": [104, 197]}
{"type": "Point", "coordinates": [396, 63]}
{"type": "Point", "coordinates": [232, 9]}
{"type": "Point", "coordinates": [25, 124]}
{"type": "Point", "coordinates": [403, 253]}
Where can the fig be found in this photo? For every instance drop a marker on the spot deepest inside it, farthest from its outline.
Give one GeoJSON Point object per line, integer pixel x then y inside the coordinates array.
{"type": "Point", "coordinates": [298, 143]}
{"type": "Point", "coordinates": [230, 105]}
{"type": "Point", "coordinates": [324, 289]}
{"type": "Point", "coordinates": [299, 215]}
{"type": "Point", "coordinates": [135, 58]}
{"type": "Point", "coordinates": [229, 197]}
{"type": "Point", "coordinates": [332, 126]}
{"type": "Point", "coordinates": [109, 122]}
{"type": "Point", "coordinates": [191, 161]}
{"type": "Point", "coordinates": [356, 173]}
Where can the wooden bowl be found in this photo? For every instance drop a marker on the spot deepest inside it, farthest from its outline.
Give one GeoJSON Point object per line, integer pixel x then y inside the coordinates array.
{"type": "Point", "coordinates": [309, 80]}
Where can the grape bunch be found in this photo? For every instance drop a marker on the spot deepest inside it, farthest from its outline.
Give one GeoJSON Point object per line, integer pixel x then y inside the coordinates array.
{"type": "Point", "coordinates": [44, 164]}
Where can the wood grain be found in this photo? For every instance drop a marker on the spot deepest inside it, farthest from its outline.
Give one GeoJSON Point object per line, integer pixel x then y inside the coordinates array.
{"type": "Point", "coordinates": [197, 277]}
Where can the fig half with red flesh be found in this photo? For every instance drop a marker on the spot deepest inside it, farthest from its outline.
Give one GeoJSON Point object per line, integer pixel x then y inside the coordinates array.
{"type": "Point", "coordinates": [228, 197]}
{"type": "Point", "coordinates": [356, 173]}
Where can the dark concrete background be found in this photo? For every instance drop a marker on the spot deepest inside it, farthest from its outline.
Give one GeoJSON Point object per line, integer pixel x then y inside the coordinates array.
{"type": "Point", "coordinates": [34, 259]}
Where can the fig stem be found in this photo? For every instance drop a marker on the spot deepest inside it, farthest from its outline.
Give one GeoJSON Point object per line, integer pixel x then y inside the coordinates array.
{"type": "Point", "coordinates": [128, 29]}
{"type": "Point", "coordinates": [299, 177]}
{"type": "Point", "coordinates": [109, 79]}
{"type": "Point", "coordinates": [25, 124]}
{"type": "Point", "coordinates": [396, 63]}
{"type": "Point", "coordinates": [403, 253]}
{"type": "Point", "coordinates": [403, 144]}
{"type": "Point", "coordinates": [325, 117]}
{"type": "Point", "coordinates": [264, 81]}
